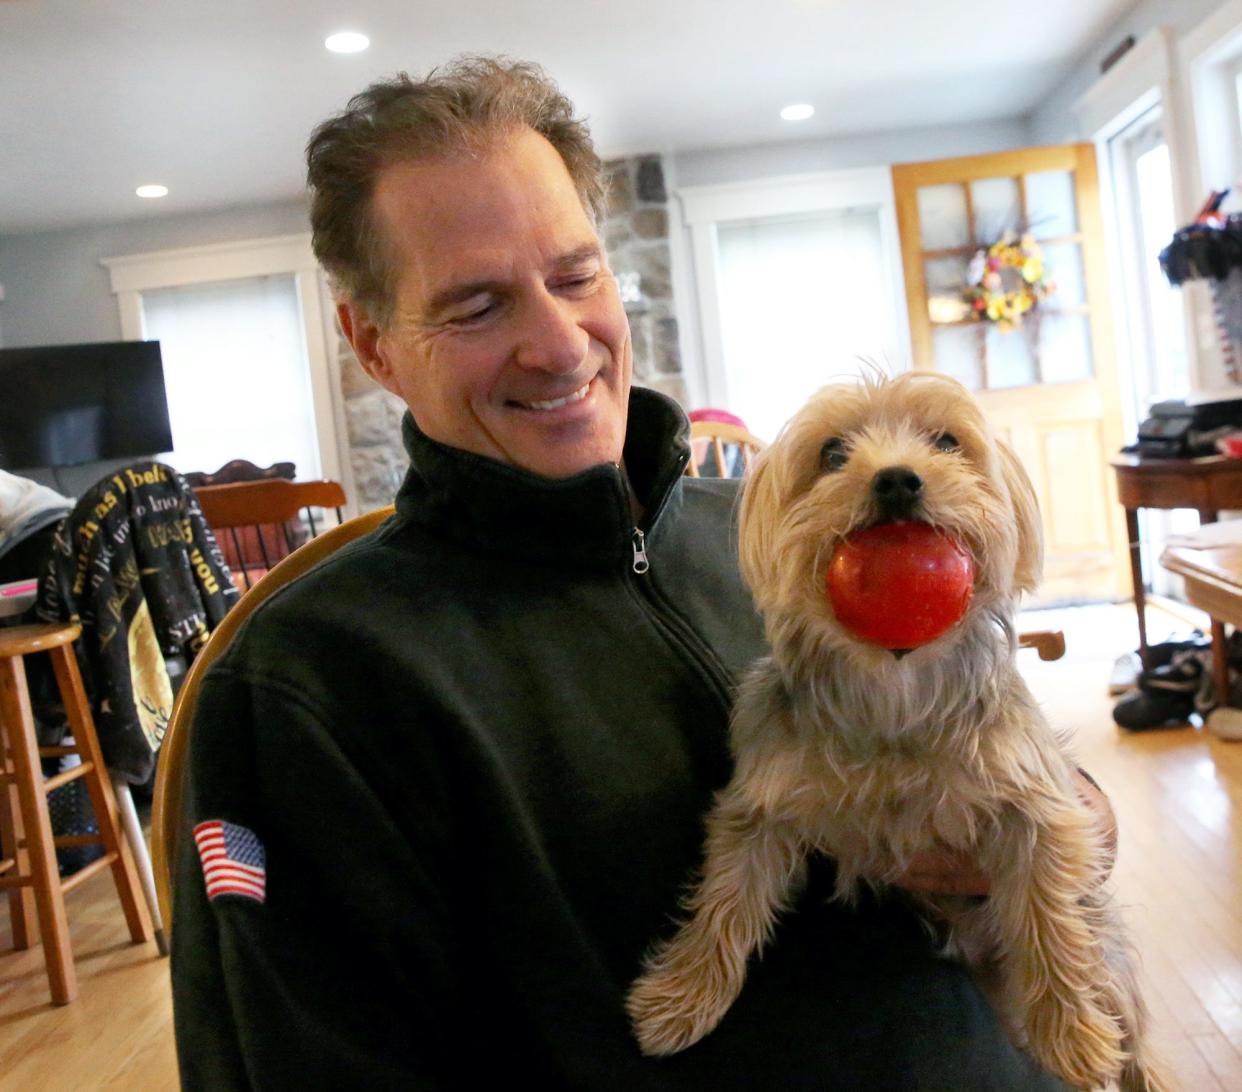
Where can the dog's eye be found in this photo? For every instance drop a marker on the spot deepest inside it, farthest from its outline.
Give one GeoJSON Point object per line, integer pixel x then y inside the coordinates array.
{"type": "Point", "coordinates": [946, 441]}
{"type": "Point", "coordinates": [834, 454]}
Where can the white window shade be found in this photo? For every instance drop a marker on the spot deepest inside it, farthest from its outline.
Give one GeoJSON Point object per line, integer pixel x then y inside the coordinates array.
{"type": "Point", "coordinates": [1153, 194]}
{"type": "Point", "coordinates": [803, 299]}
{"type": "Point", "coordinates": [236, 372]}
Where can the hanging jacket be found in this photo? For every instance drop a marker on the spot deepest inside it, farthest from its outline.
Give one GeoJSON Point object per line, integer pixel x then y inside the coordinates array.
{"type": "Point", "coordinates": [137, 566]}
{"type": "Point", "coordinates": [450, 785]}
{"type": "Point", "coordinates": [26, 507]}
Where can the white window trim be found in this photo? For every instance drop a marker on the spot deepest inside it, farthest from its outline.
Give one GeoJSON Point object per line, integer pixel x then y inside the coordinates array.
{"type": "Point", "coordinates": [704, 208]}
{"type": "Point", "coordinates": [281, 255]}
{"type": "Point", "coordinates": [1144, 78]}
{"type": "Point", "coordinates": [1209, 55]}
{"type": "Point", "coordinates": [1135, 269]}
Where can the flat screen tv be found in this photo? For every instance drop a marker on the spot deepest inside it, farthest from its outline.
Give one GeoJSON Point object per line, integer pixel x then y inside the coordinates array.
{"type": "Point", "coordinates": [62, 405]}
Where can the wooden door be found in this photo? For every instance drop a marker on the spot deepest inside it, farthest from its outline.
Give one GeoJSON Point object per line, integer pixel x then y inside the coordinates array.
{"type": "Point", "coordinates": [1050, 385]}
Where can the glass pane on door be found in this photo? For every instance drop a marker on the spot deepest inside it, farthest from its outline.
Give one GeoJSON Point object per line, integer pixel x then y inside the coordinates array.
{"type": "Point", "coordinates": [998, 208]}
{"type": "Point", "coordinates": [942, 216]}
{"type": "Point", "coordinates": [946, 277]}
{"type": "Point", "coordinates": [1063, 262]}
{"type": "Point", "coordinates": [1050, 205]}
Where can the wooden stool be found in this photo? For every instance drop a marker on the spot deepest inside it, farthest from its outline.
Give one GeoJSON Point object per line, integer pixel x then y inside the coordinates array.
{"type": "Point", "coordinates": [27, 847]}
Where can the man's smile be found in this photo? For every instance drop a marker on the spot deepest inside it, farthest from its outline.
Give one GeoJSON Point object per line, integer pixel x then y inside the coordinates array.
{"type": "Point", "coordinates": [556, 403]}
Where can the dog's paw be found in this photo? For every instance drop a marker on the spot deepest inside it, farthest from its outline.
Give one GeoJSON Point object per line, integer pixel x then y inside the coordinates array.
{"type": "Point", "coordinates": [1080, 1042]}
{"type": "Point", "coordinates": [671, 1012]}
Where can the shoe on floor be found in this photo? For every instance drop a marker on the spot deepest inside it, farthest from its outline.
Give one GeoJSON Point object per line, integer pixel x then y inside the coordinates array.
{"type": "Point", "coordinates": [1183, 675]}
{"type": "Point", "coordinates": [1129, 665]}
{"type": "Point", "coordinates": [1226, 723]}
{"type": "Point", "coordinates": [1164, 651]}
{"type": "Point", "coordinates": [1125, 673]}
{"type": "Point", "coordinates": [1140, 710]}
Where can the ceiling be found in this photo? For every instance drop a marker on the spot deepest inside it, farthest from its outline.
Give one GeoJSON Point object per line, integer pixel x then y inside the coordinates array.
{"type": "Point", "coordinates": [215, 100]}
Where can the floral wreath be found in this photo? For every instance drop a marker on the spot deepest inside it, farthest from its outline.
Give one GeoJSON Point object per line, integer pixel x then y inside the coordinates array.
{"type": "Point", "coordinates": [1007, 280]}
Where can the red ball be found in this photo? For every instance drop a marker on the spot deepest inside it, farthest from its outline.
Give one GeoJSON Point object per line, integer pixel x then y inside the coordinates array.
{"type": "Point", "coordinates": [900, 585]}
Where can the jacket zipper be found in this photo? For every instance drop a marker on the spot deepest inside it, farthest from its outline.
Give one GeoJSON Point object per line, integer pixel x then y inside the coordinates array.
{"type": "Point", "coordinates": [641, 564]}
{"type": "Point", "coordinates": [678, 631]}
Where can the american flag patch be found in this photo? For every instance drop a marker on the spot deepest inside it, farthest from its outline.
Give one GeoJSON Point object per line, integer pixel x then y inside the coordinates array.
{"type": "Point", "coordinates": [233, 860]}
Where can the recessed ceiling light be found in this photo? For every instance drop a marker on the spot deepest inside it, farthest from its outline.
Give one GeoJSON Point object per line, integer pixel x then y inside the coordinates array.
{"type": "Point", "coordinates": [800, 111]}
{"type": "Point", "coordinates": [348, 41]}
{"type": "Point", "coordinates": [152, 191]}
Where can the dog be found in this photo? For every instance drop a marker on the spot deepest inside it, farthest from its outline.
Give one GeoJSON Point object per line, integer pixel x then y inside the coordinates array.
{"type": "Point", "coordinates": [872, 756]}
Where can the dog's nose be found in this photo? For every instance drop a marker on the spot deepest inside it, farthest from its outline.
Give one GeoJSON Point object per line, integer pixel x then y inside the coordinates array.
{"type": "Point", "coordinates": [897, 489]}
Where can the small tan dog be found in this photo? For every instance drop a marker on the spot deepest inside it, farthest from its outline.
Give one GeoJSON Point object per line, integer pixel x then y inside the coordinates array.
{"type": "Point", "coordinates": [870, 757]}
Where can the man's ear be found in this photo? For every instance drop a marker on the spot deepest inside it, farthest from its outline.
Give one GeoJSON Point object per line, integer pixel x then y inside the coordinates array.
{"type": "Point", "coordinates": [363, 335]}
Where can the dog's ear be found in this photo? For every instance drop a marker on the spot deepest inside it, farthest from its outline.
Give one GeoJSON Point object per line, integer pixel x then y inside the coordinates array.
{"type": "Point", "coordinates": [762, 492]}
{"type": "Point", "coordinates": [1029, 563]}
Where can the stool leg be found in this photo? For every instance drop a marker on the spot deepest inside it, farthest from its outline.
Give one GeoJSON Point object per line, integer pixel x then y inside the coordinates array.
{"type": "Point", "coordinates": [22, 913]}
{"type": "Point", "coordinates": [142, 859]}
{"type": "Point", "coordinates": [98, 785]}
{"type": "Point", "coordinates": [19, 722]}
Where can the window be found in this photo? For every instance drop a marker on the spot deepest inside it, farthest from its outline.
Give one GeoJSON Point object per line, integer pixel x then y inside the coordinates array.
{"type": "Point", "coordinates": [802, 300]}
{"type": "Point", "coordinates": [1237, 92]}
{"type": "Point", "coordinates": [1154, 310]}
{"type": "Point", "coordinates": [236, 373]}
{"type": "Point", "coordinates": [1212, 56]}
{"type": "Point", "coordinates": [799, 283]}
{"type": "Point", "coordinates": [245, 334]}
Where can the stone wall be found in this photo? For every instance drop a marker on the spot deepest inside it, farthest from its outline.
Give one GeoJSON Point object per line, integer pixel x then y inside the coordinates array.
{"type": "Point", "coordinates": [636, 235]}
{"type": "Point", "coordinates": [373, 418]}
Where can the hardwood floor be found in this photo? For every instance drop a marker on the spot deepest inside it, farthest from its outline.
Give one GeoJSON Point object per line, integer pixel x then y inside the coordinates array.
{"type": "Point", "coordinates": [1178, 797]}
{"type": "Point", "coordinates": [116, 1035]}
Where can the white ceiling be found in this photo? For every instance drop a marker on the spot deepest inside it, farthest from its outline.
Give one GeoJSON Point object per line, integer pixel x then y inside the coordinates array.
{"type": "Point", "coordinates": [215, 99]}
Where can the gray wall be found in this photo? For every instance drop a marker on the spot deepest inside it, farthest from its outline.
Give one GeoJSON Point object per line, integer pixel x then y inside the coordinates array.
{"type": "Point", "coordinates": [56, 292]}
{"type": "Point", "coordinates": [842, 152]}
{"type": "Point", "coordinates": [761, 161]}
{"type": "Point", "coordinates": [1054, 121]}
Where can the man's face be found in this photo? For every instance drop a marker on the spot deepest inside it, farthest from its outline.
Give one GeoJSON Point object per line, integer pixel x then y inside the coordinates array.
{"type": "Point", "coordinates": [508, 338]}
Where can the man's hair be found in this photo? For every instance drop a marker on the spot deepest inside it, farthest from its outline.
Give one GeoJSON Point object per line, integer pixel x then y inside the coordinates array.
{"type": "Point", "coordinates": [459, 109]}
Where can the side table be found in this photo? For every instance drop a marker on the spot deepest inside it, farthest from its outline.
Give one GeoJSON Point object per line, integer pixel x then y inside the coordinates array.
{"type": "Point", "coordinates": [1210, 485]}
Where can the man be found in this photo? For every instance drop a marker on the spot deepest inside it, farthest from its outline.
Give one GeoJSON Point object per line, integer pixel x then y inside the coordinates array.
{"type": "Point", "coordinates": [461, 767]}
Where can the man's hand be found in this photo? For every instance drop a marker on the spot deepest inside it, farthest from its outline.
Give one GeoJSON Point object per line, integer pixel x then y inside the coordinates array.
{"type": "Point", "coordinates": [943, 872]}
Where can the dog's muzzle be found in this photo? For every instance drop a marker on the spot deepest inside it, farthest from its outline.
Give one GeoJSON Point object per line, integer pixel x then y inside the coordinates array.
{"type": "Point", "coordinates": [898, 491]}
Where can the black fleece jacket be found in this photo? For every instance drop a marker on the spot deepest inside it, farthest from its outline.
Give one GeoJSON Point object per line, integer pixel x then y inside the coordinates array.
{"type": "Point", "coordinates": [477, 747]}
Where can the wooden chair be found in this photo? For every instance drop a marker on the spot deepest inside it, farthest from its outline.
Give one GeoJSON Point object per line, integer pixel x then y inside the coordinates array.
{"type": "Point", "coordinates": [240, 470]}
{"type": "Point", "coordinates": [713, 438]}
{"type": "Point", "coordinates": [27, 846]}
{"type": "Point", "coordinates": [170, 776]}
{"type": "Point", "coordinates": [1048, 643]}
{"type": "Point", "coordinates": [263, 520]}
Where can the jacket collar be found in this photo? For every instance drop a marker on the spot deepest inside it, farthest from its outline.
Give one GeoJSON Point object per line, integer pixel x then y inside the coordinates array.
{"type": "Point", "coordinates": [489, 506]}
